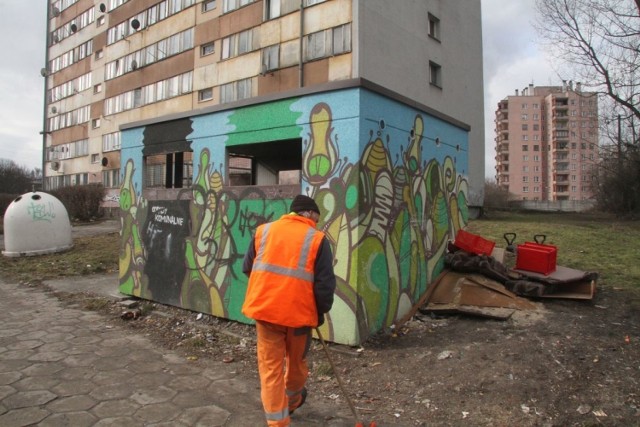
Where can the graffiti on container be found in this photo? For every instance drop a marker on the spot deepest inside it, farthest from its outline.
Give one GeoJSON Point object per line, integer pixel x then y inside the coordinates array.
{"type": "Point", "coordinates": [41, 211]}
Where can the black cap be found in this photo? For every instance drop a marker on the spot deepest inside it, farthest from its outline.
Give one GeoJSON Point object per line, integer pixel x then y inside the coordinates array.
{"type": "Point", "coordinates": [303, 203]}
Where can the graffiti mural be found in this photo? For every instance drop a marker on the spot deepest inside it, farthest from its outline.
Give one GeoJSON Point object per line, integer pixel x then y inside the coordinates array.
{"type": "Point", "coordinates": [389, 180]}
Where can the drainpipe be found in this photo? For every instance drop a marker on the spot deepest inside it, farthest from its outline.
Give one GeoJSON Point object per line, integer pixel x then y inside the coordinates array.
{"type": "Point", "coordinates": [45, 130]}
{"type": "Point", "coordinates": [300, 65]}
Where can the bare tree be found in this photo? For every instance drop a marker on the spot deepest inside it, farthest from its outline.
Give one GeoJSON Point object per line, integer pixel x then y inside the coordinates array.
{"type": "Point", "coordinates": [14, 179]}
{"type": "Point", "coordinates": [598, 43]}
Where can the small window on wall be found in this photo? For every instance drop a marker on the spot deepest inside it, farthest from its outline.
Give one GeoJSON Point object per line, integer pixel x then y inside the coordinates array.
{"type": "Point", "coordinates": [434, 27]}
{"type": "Point", "coordinates": [207, 49]}
{"type": "Point", "coordinates": [268, 163]}
{"type": "Point", "coordinates": [205, 95]}
{"type": "Point", "coordinates": [435, 74]}
{"type": "Point", "coordinates": [168, 170]}
{"type": "Point", "coordinates": [208, 5]}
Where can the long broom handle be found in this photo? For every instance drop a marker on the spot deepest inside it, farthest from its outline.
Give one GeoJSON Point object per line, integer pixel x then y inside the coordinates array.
{"type": "Point", "coordinates": [335, 371]}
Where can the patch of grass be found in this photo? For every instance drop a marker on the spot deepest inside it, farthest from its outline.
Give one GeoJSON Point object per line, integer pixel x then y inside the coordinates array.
{"type": "Point", "coordinates": [588, 242]}
{"type": "Point", "coordinates": [194, 343]}
{"type": "Point", "coordinates": [89, 255]}
{"type": "Point", "coordinates": [323, 369]}
{"type": "Point", "coordinates": [96, 304]}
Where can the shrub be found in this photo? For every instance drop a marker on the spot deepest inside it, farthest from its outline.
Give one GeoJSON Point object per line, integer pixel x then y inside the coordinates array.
{"type": "Point", "coordinates": [81, 201]}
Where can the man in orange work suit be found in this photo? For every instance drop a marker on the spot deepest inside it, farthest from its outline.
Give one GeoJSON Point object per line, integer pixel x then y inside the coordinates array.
{"type": "Point", "coordinates": [291, 286]}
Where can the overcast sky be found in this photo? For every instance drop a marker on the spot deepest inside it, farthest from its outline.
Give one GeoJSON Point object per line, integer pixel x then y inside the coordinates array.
{"type": "Point", "coordinates": [511, 61]}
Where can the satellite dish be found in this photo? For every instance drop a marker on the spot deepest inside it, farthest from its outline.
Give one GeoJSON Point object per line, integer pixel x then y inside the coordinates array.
{"type": "Point", "coordinates": [74, 28]}
{"type": "Point", "coordinates": [55, 166]}
{"type": "Point", "coordinates": [135, 24]}
{"type": "Point", "coordinates": [54, 110]}
{"type": "Point", "coordinates": [103, 8]}
{"type": "Point", "coordinates": [44, 72]}
{"type": "Point", "coordinates": [55, 12]}
{"type": "Point", "coordinates": [105, 161]}
{"type": "Point", "coordinates": [134, 65]}
{"type": "Point", "coordinates": [55, 38]}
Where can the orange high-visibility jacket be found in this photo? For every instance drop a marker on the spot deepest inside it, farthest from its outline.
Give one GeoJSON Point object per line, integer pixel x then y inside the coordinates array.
{"type": "Point", "coordinates": [280, 288]}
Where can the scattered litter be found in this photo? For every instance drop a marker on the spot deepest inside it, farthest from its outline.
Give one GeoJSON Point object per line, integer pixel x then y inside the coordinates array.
{"type": "Point", "coordinates": [599, 413]}
{"type": "Point", "coordinates": [584, 409]}
{"type": "Point", "coordinates": [447, 354]}
{"type": "Point", "coordinates": [130, 315]}
{"type": "Point", "coordinates": [333, 396]}
{"type": "Point", "coordinates": [525, 408]}
{"type": "Point", "coordinates": [192, 358]}
{"type": "Point", "coordinates": [465, 414]}
{"type": "Point", "coordinates": [228, 359]}
{"type": "Point", "coordinates": [199, 316]}
{"type": "Point", "coordinates": [627, 339]}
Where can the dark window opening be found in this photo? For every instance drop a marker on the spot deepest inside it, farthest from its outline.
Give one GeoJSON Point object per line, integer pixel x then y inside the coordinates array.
{"type": "Point", "coordinates": [168, 170]}
{"type": "Point", "coordinates": [268, 163]}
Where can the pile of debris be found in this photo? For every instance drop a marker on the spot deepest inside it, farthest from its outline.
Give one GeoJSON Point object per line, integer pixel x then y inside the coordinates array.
{"type": "Point", "coordinates": [477, 281]}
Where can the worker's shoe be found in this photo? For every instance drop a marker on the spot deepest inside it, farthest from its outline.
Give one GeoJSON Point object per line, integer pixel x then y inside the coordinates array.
{"type": "Point", "coordinates": [303, 398]}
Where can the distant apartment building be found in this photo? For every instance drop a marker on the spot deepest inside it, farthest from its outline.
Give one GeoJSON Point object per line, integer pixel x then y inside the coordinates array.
{"type": "Point", "coordinates": [547, 143]}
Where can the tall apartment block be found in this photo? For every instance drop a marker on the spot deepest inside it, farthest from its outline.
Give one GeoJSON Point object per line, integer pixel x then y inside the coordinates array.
{"type": "Point", "coordinates": [547, 143]}
{"type": "Point", "coordinates": [204, 118]}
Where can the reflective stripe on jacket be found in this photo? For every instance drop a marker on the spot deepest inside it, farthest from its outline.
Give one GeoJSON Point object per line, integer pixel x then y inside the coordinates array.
{"type": "Point", "coordinates": [280, 288]}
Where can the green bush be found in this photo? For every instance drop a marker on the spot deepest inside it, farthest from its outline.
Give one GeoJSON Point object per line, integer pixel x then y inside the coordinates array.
{"type": "Point", "coordinates": [81, 201]}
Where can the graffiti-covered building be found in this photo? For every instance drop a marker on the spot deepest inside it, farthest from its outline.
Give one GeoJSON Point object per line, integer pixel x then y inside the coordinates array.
{"type": "Point", "coordinates": [372, 108]}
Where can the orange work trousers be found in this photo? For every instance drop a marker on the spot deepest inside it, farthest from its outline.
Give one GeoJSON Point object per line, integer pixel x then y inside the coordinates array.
{"type": "Point", "coordinates": [282, 364]}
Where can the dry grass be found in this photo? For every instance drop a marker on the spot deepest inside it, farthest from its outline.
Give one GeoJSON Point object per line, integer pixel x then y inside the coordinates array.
{"type": "Point", "coordinates": [89, 255]}
{"type": "Point", "coordinates": [589, 242]}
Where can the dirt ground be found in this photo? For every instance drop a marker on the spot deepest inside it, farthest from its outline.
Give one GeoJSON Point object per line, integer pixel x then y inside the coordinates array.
{"type": "Point", "coordinates": [567, 363]}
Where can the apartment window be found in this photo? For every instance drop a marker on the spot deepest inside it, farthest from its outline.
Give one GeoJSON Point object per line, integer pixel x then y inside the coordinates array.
{"type": "Point", "coordinates": [308, 3]}
{"type": "Point", "coordinates": [525, 158]}
{"type": "Point", "coordinates": [525, 126]}
{"type": "Point", "coordinates": [525, 148]}
{"type": "Point", "coordinates": [525, 137]}
{"type": "Point", "coordinates": [342, 39]}
{"type": "Point", "coordinates": [95, 158]}
{"type": "Point", "coordinates": [536, 116]}
{"type": "Point", "coordinates": [111, 141]}
{"type": "Point", "coordinates": [146, 18]}
{"type": "Point", "coordinates": [525, 189]}
{"type": "Point", "coordinates": [229, 5]}
{"type": "Point", "coordinates": [208, 5]}
{"type": "Point", "coordinates": [525, 179]}
{"type": "Point", "coordinates": [435, 74]}
{"type": "Point", "coordinates": [205, 94]}
{"type": "Point", "coordinates": [235, 91]}
{"type": "Point", "coordinates": [525, 116]}
{"type": "Point", "coordinates": [97, 88]}
{"type": "Point", "coordinates": [155, 92]}
{"type": "Point", "coordinates": [525, 168]}
{"type": "Point", "coordinates": [95, 123]}
{"type": "Point", "coordinates": [535, 106]}
{"type": "Point", "coordinates": [536, 179]}
{"type": "Point", "coordinates": [270, 58]}
{"type": "Point", "coordinates": [100, 21]}
{"type": "Point", "coordinates": [111, 178]}
{"type": "Point", "coordinates": [434, 27]}
{"type": "Point", "coordinates": [332, 41]}
{"type": "Point", "coordinates": [525, 106]}
{"type": "Point", "coordinates": [169, 170]}
{"type": "Point", "coordinates": [240, 43]}
{"type": "Point", "coordinates": [207, 49]}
